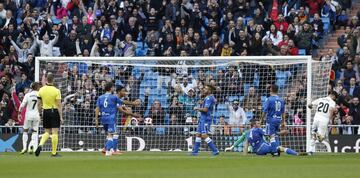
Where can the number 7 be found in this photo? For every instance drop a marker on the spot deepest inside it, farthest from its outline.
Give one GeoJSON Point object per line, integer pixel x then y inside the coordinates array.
{"type": "Point", "coordinates": [35, 101]}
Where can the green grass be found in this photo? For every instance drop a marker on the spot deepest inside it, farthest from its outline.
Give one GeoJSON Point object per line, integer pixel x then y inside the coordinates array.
{"type": "Point", "coordinates": [174, 165]}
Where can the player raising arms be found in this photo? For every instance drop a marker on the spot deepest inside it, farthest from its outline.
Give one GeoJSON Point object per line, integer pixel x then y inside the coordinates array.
{"type": "Point", "coordinates": [255, 138]}
{"type": "Point", "coordinates": [107, 106]}
{"type": "Point", "coordinates": [273, 111]}
{"type": "Point", "coordinates": [32, 118]}
{"type": "Point", "coordinates": [205, 120]}
{"type": "Point", "coordinates": [326, 107]}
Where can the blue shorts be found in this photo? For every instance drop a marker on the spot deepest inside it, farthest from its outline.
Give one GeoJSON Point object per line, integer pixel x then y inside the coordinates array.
{"type": "Point", "coordinates": [203, 126]}
{"type": "Point", "coordinates": [273, 126]}
{"type": "Point", "coordinates": [264, 149]}
{"type": "Point", "coordinates": [110, 128]}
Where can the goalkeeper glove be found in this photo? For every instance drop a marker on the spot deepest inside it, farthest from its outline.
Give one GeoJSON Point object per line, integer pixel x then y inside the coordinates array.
{"type": "Point", "coordinates": [229, 148]}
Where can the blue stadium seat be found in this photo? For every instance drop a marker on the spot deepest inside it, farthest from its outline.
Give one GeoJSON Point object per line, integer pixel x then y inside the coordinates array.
{"type": "Point", "coordinates": [246, 20]}
{"type": "Point", "coordinates": [118, 83]}
{"type": "Point", "coordinates": [282, 78]}
{"type": "Point", "coordinates": [326, 27]}
{"type": "Point", "coordinates": [222, 107]}
{"type": "Point", "coordinates": [249, 115]}
{"type": "Point", "coordinates": [147, 83]}
{"type": "Point", "coordinates": [325, 20]}
{"type": "Point", "coordinates": [246, 88]}
{"type": "Point", "coordinates": [235, 130]}
{"type": "Point", "coordinates": [302, 52]}
{"type": "Point", "coordinates": [263, 99]}
{"type": "Point", "coordinates": [256, 80]}
{"type": "Point", "coordinates": [241, 98]}
{"type": "Point", "coordinates": [18, 21]}
{"type": "Point", "coordinates": [232, 98]}
{"type": "Point", "coordinates": [160, 130]}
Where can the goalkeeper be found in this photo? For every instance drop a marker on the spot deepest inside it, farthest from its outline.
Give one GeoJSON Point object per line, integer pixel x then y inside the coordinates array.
{"type": "Point", "coordinates": [238, 141]}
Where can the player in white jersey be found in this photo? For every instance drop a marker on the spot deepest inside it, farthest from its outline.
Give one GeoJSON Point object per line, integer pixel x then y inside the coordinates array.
{"type": "Point", "coordinates": [325, 110]}
{"type": "Point", "coordinates": [32, 118]}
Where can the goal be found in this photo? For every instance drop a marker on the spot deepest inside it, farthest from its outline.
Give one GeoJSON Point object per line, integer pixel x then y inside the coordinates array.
{"type": "Point", "coordinates": [170, 87]}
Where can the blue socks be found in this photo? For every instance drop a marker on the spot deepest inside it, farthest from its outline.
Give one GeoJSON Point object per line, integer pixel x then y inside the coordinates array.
{"type": "Point", "coordinates": [290, 152]}
{"type": "Point", "coordinates": [109, 144]}
{"type": "Point", "coordinates": [115, 142]}
{"type": "Point", "coordinates": [274, 145]}
{"type": "Point", "coordinates": [211, 145]}
{"type": "Point", "coordinates": [196, 145]}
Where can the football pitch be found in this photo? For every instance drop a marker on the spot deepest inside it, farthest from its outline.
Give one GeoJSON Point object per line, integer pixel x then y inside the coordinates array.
{"type": "Point", "coordinates": [177, 165]}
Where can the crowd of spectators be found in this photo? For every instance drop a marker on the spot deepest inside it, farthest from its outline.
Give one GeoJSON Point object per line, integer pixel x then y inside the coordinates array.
{"type": "Point", "coordinates": [174, 28]}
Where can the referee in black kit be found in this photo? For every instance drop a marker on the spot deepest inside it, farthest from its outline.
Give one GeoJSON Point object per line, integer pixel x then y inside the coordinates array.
{"type": "Point", "coordinates": [50, 102]}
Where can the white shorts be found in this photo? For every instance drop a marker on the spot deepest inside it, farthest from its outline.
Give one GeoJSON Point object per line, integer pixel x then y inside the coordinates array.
{"type": "Point", "coordinates": [32, 123]}
{"type": "Point", "coordinates": [321, 126]}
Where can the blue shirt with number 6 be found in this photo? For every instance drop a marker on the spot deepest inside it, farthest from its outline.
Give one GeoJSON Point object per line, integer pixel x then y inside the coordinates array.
{"type": "Point", "coordinates": [108, 105]}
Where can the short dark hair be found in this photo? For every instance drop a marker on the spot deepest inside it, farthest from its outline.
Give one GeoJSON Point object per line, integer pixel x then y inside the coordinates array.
{"type": "Point", "coordinates": [108, 86]}
{"type": "Point", "coordinates": [334, 93]}
{"type": "Point", "coordinates": [253, 122]}
{"type": "Point", "coordinates": [274, 88]}
{"type": "Point", "coordinates": [212, 88]}
{"type": "Point", "coordinates": [119, 88]}
{"type": "Point", "coordinates": [50, 78]}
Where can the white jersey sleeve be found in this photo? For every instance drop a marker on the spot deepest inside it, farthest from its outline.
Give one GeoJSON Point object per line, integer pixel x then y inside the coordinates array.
{"type": "Point", "coordinates": [24, 101]}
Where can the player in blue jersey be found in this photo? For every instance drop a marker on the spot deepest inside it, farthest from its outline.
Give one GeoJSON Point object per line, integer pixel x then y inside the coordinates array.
{"type": "Point", "coordinates": [255, 138]}
{"type": "Point", "coordinates": [107, 107]}
{"type": "Point", "coordinates": [274, 113]}
{"type": "Point", "coordinates": [205, 120]}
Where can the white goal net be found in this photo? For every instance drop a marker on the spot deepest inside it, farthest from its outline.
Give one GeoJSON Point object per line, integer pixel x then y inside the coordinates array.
{"type": "Point", "coordinates": [170, 87]}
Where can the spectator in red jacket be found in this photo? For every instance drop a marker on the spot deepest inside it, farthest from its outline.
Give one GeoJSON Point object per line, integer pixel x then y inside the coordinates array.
{"type": "Point", "coordinates": [293, 50]}
{"type": "Point", "coordinates": [281, 24]}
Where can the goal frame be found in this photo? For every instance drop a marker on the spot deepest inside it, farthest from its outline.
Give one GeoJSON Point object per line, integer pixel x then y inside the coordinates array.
{"type": "Point", "coordinates": [307, 59]}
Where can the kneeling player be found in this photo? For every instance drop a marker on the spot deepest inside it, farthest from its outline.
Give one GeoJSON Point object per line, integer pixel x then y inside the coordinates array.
{"type": "Point", "coordinates": [32, 118]}
{"type": "Point", "coordinates": [260, 146]}
{"type": "Point", "coordinates": [326, 108]}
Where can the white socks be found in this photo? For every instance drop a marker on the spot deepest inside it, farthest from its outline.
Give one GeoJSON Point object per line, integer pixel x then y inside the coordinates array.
{"type": "Point", "coordinates": [25, 138]}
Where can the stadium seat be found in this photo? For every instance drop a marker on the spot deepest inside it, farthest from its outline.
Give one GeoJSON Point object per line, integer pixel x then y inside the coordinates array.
{"type": "Point", "coordinates": [118, 83]}
{"type": "Point", "coordinates": [263, 98]}
{"type": "Point", "coordinates": [241, 98]}
{"type": "Point", "coordinates": [246, 88]}
{"type": "Point", "coordinates": [160, 130]}
{"type": "Point", "coordinates": [246, 20]}
{"type": "Point", "coordinates": [222, 107]}
{"type": "Point", "coordinates": [256, 80]}
{"type": "Point", "coordinates": [282, 78]}
{"type": "Point", "coordinates": [235, 130]}
{"type": "Point", "coordinates": [249, 115]}
{"type": "Point", "coordinates": [302, 52]}
{"type": "Point", "coordinates": [232, 98]}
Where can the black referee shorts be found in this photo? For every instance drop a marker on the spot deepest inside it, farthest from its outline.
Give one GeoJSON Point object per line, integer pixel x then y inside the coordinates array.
{"type": "Point", "coordinates": [51, 118]}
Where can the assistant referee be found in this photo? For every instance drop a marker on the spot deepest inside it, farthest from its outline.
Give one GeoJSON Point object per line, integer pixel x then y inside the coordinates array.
{"type": "Point", "coordinates": [50, 102]}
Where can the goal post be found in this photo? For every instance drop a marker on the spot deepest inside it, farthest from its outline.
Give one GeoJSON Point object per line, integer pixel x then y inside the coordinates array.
{"type": "Point", "coordinates": [244, 79]}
